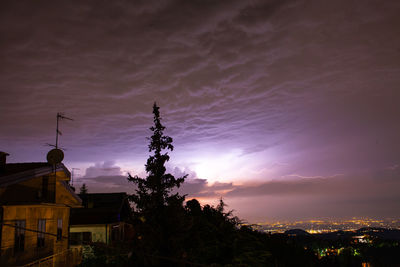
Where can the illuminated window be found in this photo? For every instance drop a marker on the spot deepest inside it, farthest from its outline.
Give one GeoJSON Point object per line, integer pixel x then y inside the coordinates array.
{"type": "Point", "coordinates": [59, 229]}
{"type": "Point", "coordinates": [41, 233]}
{"type": "Point", "coordinates": [19, 237]}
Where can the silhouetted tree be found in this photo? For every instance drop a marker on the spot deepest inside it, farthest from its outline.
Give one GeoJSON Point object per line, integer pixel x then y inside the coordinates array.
{"type": "Point", "coordinates": [170, 234]}
{"type": "Point", "coordinates": [160, 212]}
{"type": "Point", "coordinates": [155, 190]}
{"type": "Point", "coordinates": [83, 189]}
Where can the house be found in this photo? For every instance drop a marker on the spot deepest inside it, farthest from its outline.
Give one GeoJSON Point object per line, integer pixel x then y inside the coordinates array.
{"type": "Point", "coordinates": [103, 219]}
{"type": "Point", "coordinates": [35, 203]}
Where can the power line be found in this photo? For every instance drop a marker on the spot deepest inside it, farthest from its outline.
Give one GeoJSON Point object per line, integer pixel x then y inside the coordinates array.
{"type": "Point", "coordinates": [30, 230]}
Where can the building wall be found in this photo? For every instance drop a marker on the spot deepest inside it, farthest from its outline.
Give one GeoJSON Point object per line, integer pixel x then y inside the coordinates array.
{"type": "Point", "coordinates": [42, 189]}
{"type": "Point", "coordinates": [35, 190]}
{"type": "Point", "coordinates": [48, 199]}
{"type": "Point", "coordinates": [63, 195]}
{"type": "Point", "coordinates": [100, 232]}
{"type": "Point", "coordinates": [31, 214]}
{"type": "Point", "coordinates": [105, 233]}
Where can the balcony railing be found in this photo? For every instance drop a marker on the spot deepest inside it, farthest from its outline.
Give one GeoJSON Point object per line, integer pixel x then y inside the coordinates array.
{"type": "Point", "coordinates": [67, 258]}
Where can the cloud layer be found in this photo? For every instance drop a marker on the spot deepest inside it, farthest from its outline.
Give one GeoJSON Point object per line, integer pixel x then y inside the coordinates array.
{"type": "Point", "coordinates": [341, 196]}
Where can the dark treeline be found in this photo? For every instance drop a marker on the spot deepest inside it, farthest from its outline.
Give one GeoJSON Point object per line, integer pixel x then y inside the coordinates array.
{"type": "Point", "coordinates": [206, 236]}
{"type": "Point", "coordinates": [170, 232]}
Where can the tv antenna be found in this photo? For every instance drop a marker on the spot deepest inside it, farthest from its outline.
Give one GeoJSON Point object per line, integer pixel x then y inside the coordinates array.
{"type": "Point", "coordinates": [73, 174]}
{"type": "Point", "coordinates": [60, 116]}
{"type": "Point", "coordinates": [48, 144]}
{"type": "Point", "coordinates": [56, 155]}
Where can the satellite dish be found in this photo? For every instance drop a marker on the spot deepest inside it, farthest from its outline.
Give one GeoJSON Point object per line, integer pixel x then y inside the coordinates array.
{"type": "Point", "coordinates": [55, 156]}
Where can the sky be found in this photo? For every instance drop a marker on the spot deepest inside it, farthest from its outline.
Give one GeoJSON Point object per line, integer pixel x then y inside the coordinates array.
{"type": "Point", "coordinates": [287, 110]}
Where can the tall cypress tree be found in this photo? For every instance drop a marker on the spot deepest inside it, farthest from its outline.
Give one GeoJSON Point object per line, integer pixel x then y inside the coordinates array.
{"type": "Point", "coordinates": [83, 189]}
{"type": "Point", "coordinates": [158, 209]}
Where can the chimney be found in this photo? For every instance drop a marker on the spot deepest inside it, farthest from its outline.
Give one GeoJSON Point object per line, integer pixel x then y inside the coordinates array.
{"type": "Point", "coordinates": [3, 160]}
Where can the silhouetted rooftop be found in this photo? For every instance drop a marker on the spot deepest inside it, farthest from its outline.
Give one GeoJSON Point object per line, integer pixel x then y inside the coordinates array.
{"type": "Point", "coordinates": [100, 208]}
{"type": "Point", "coordinates": [12, 168]}
{"type": "Point", "coordinates": [103, 200]}
{"type": "Point", "coordinates": [18, 172]}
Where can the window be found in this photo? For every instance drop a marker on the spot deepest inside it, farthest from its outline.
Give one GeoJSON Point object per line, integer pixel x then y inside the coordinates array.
{"type": "Point", "coordinates": [115, 233]}
{"type": "Point", "coordinates": [80, 238]}
{"type": "Point", "coordinates": [19, 237]}
{"type": "Point", "coordinates": [86, 237]}
{"type": "Point", "coordinates": [59, 229]}
{"type": "Point", "coordinates": [41, 233]}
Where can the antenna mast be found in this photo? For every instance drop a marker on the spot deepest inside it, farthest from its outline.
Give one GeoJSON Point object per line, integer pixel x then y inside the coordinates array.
{"type": "Point", "coordinates": [60, 116]}
{"type": "Point", "coordinates": [73, 174]}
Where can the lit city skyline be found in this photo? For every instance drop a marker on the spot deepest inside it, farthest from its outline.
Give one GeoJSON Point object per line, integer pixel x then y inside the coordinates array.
{"type": "Point", "coordinates": [328, 226]}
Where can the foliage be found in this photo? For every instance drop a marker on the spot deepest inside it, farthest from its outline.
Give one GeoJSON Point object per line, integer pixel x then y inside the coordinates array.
{"type": "Point", "coordinates": [83, 189]}
{"type": "Point", "coordinates": [155, 190]}
{"type": "Point", "coordinates": [105, 256]}
{"type": "Point", "coordinates": [159, 213]}
{"type": "Point", "coordinates": [218, 238]}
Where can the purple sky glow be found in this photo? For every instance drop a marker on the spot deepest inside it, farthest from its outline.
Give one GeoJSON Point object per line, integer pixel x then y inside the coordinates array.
{"type": "Point", "coordinates": [286, 109]}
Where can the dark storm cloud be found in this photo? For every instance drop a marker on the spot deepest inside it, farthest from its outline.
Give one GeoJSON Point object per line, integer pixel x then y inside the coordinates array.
{"type": "Point", "coordinates": [357, 195]}
{"type": "Point", "coordinates": [384, 183]}
{"type": "Point", "coordinates": [200, 188]}
{"type": "Point", "coordinates": [106, 184]}
{"type": "Point", "coordinates": [107, 177]}
{"type": "Point", "coordinates": [105, 64]}
{"type": "Point", "coordinates": [360, 194]}
{"type": "Point", "coordinates": [193, 188]}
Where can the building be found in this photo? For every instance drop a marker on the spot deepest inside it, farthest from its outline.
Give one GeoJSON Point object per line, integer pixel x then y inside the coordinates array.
{"type": "Point", "coordinates": [35, 203]}
{"type": "Point", "coordinates": [103, 219]}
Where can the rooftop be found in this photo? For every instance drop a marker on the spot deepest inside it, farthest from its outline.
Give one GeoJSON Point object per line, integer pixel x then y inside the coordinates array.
{"type": "Point", "coordinates": [17, 172]}
{"type": "Point", "coordinates": [101, 208]}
